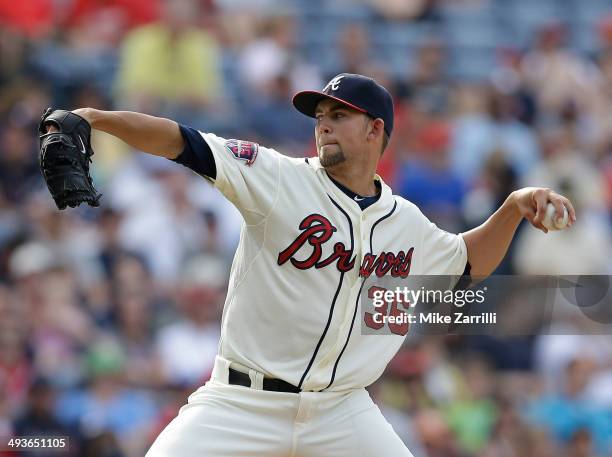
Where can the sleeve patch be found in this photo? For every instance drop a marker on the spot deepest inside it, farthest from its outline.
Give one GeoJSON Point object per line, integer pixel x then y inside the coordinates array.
{"type": "Point", "coordinates": [243, 150]}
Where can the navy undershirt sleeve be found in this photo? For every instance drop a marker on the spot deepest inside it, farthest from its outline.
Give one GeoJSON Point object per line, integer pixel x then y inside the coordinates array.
{"type": "Point", "coordinates": [465, 281]}
{"type": "Point", "coordinates": [468, 269]}
{"type": "Point", "coordinates": [197, 155]}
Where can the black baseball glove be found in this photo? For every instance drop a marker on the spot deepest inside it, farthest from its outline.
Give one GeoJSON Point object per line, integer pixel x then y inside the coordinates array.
{"type": "Point", "coordinates": [64, 158]}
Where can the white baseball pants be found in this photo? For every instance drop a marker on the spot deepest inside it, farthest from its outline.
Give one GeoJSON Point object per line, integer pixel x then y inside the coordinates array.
{"type": "Point", "coordinates": [222, 420]}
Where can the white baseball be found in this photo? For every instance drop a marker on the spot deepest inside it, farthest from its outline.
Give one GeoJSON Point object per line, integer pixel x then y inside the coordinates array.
{"type": "Point", "coordinates": [555, 224]}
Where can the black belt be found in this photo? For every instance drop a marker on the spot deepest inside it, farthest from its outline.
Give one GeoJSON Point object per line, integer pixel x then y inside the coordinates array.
{"type": "Point", "coordinates": [276, 385]}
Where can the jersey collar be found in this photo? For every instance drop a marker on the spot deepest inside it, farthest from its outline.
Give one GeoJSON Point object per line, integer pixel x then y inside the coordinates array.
{"type": "Point", "coordinates": [383, 204]}
{"type": "Point", "coordinates": [363, 201]}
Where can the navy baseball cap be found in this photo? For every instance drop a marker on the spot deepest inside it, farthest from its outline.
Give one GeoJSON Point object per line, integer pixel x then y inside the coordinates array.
{"type": "Point", "coordinates": [355, 91]}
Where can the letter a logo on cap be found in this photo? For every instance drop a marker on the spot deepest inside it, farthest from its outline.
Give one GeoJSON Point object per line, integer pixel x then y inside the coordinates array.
{"type": "Point", "coordinates": [334, 83]}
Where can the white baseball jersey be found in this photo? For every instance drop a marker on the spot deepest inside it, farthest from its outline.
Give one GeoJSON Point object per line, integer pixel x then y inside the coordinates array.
{"type": "Point", "coordinates": [305, 248]}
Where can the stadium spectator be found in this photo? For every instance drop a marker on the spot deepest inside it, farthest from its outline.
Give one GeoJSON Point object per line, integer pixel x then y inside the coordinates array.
{"type": "Point", "coordinates": [492, 127]}
{"type": "Point", "coordinates": [270, 56]}
{"type": "Point", "coordinates": [556, 75]}
{"type": "Point", "coordinates": [106, 405]}
{"type": "Point", "coordinates": [199, 300]}
{"type": "Point", "coordinates": [170, 66]}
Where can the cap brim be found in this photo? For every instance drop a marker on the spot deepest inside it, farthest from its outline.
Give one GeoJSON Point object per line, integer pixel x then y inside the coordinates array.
{"type": "Point", "coordinates": [306, 102]}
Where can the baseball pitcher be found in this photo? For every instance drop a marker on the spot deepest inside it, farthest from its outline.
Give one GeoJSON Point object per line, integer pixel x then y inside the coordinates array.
{"type": "Point", "coordinates": [292, 366]}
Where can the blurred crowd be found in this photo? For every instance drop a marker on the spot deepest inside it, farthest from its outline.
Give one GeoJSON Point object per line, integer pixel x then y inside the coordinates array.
{"type": "Point", "coordinates": [109, 317]}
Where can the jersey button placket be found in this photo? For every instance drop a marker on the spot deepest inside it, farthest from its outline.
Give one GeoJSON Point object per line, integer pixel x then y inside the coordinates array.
{"type": "Point", "coordinates": [363, 239]}
{"type": "Point", "coordinates": [344, 326]}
